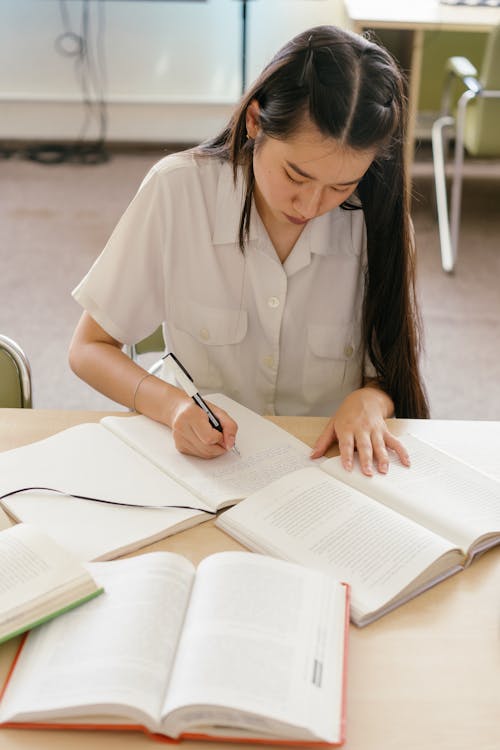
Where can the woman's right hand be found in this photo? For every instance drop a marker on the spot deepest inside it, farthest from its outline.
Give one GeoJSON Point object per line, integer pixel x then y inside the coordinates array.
{"type": "Point", "coordinates": [194, 435]}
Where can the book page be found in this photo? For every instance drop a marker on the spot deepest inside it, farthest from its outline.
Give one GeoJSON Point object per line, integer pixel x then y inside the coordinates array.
{"type": "Point", "coordinates": [311, 518]}
{"type": "Point", "coordinates": [267, 452]}
{"type": "Point", "coordinates": [264, 640]}
{"type": "Point", "coordinates": [88, 461]}
{"type": "Point", "coordinates": [437, 491]}
{"type": "Point", "coordinates": [111, 656]}
{"type": "Point", "coordinates": [36, 577]}
{"type": "Point", "coordinates": [98, 531]}
{"type": "Point", "coordinates": [474, 442]}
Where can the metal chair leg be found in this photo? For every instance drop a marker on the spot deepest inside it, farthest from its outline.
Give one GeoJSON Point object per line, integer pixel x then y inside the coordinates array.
{"type": "Point", "coordinates": [456, 189]}
{"type": "Point", "coordinates": [447, 254]}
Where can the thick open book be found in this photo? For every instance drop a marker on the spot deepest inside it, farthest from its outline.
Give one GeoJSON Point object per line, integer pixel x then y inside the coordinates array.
{"type": "Point", "coordinates": [132, 461]}
{"type": "Point", "coordinates": [390, 536]}
{"type": "Point", "coordinates": [244, 647]}
{"type": "Point", "coordinates": [38, 580]}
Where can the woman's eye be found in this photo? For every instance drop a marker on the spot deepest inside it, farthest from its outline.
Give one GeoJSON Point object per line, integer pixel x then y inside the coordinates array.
{"type": "Point", "coordinates": [296, 182]}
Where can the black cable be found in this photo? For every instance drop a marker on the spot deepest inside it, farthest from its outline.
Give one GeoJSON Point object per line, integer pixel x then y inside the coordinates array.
{"type": "Point", "coordinates": [90, 72]}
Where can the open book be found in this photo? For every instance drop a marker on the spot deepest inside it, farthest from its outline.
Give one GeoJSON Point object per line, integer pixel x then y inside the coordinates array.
{"type": "Point", "coordinates": [133, 461]}
{"type": "Point", "coordinates": [389, 536]}
{"type": "Point", "coordinates": [38, 580]}
{"type": "Point", "coordinates": [244, 647]}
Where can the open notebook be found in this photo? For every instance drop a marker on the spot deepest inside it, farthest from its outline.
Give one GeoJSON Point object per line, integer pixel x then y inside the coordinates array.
{"type": "Point", "coordinates": [147, 489]}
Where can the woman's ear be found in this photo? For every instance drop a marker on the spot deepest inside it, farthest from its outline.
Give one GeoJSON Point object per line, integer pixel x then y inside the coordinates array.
{"type": "Point", "coordinates": [252, 119]}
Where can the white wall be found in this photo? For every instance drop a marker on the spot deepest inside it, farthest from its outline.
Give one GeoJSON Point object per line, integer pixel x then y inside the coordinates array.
{"type": "Point", "coordinates": [173, 69]}
{"type": "Point", "coordinates": [271, 23]}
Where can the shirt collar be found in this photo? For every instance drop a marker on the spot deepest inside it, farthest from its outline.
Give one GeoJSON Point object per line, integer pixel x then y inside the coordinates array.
{"type": "Point", "coordinates": [228, 206]}
{"type": "Point", "coordinates": [324, 229]}
{"type": "Point", "coordinates": [317, 238]}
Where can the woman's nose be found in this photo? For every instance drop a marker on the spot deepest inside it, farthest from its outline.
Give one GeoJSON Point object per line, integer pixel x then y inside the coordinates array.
{"type": "Point", "coordinates": [309, 203]}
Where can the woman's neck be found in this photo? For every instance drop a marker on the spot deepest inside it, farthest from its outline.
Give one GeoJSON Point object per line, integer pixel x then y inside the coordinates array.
{"type": "Point", "coordinates": [283, 237]}
{"type": "Point", "coordinates": [284, 240]}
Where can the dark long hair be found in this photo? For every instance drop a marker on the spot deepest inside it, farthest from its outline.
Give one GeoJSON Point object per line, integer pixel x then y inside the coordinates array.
{"type": "Point", "coordinates": [353, 91]}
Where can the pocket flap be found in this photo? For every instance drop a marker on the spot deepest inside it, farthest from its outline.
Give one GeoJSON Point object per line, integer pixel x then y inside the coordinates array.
{"type": "Point", "coordinates": [210, 325]}
{"type": "Point", "coordinates": [332, 341]}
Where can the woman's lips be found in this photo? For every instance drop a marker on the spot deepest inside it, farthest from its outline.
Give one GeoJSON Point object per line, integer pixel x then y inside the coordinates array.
{"type": "Point", "coordinates": [294, 220]}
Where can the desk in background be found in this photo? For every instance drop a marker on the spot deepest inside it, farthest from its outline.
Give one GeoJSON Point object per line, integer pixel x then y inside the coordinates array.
{"type": "Point", "coordinates": [424, 677]}
{"type": "Point", "coordinates": [415, 18]}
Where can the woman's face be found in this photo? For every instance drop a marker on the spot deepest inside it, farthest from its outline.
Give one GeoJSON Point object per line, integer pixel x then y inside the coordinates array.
{"type": "Point", "coordinates": [304, 176]}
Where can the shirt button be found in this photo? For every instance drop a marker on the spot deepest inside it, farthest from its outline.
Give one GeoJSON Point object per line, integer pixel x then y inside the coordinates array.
{"type": "Point", "coordinates": [205, 334]}
{"type": "Point", "coordinates": [349, 350]}
{"type": "Point", "coordinates": [273, 302]}
{"type": "Point", "coordinates": [269, 362]}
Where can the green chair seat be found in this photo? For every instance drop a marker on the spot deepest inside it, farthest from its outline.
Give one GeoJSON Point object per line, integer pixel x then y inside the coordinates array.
{"type": "Point", "coordinates": [152, 343]}
{"type": "Point", "coordinates": [15, 375]}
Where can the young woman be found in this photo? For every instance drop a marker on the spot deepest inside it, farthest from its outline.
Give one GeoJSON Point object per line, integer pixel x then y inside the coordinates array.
{"type": "Point", "coordinates": [279, 258]}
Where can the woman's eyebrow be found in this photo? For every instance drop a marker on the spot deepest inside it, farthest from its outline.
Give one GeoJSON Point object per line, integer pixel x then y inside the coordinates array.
{"type": "Point", "coordinates": [300, 171]}
{"type": "Point", "coordinates": [311, 177]}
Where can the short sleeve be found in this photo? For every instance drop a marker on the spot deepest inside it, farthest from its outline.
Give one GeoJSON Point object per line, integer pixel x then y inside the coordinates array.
{"type": "Point", "coordinates": [124, 289]}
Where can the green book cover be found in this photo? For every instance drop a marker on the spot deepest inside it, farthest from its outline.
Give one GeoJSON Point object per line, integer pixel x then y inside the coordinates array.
{"type": "Point", "coordinates": [51, 615]}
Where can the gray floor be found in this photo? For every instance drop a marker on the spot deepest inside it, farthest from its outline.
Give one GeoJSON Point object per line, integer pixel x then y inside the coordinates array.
{"type": "Point", "coordinates": [55, 220]}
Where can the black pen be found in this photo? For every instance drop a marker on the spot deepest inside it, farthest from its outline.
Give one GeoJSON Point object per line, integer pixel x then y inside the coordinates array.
{"type": "Point", "coordinates": [187, 384]}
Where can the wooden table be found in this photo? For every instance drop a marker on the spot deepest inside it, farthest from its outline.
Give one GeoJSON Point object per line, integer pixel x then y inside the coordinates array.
{"type": "Point", "coordinates": [416, 18]}
{"type": "Point", "coordinates": [424, 677]}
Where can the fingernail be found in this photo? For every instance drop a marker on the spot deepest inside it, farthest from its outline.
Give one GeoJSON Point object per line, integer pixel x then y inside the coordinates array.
{"type": "Point", "coordinates": [383, 468]}
{"type": "Point", "coordinates": [368, 469]}
{"type": "Point", "coordinates": [348, 464]}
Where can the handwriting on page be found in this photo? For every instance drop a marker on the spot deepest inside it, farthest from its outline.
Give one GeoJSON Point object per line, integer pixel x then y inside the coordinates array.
{"type": "Point", "coordinates": [18, 564]}
{"type": "Point", "coordinates": [259, 469]}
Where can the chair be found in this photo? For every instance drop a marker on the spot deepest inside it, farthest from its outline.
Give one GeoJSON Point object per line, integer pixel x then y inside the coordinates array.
{"type": "Point", "coordinates": [15, 375]}
{"type": "Point", "coordinates": [476, 130]}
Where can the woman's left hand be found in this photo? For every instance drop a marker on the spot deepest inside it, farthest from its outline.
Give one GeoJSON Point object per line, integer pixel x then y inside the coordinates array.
{"type": "Point", "coordinates": [359, 424]}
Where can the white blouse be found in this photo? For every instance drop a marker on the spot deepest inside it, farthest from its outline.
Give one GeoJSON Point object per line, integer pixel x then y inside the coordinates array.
{"type": "Point", "coordinates": [278, 338]}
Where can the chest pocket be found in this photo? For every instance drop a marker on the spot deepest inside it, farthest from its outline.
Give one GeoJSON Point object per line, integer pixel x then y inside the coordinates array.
{"type": "Point", "coordinates": [332, 361]}
{"type": "Point", "coordinates": [205, 339]}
